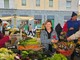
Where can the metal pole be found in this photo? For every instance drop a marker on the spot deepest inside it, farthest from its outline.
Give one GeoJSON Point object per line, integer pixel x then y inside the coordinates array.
{"type": "Point", "coordinates": [44, 11]}
{"type": "Point", "coordinates": [14, 20]}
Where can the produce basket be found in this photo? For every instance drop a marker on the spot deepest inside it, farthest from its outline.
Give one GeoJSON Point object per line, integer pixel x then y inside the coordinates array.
{"type": "Point", "coordinates": [66, 48]}
{"type": "Point", "coordinates": [65, 52]}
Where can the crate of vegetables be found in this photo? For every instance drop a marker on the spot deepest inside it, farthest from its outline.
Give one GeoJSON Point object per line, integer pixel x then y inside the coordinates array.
{"type": "Point", "coordinates": [29, 44]}
{"type": "Point", "coordinates": [66, 48]}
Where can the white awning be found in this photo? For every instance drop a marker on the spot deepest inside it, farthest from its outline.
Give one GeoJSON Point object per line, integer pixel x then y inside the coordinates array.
{"type": "Point", "coordinates": [17, 17]}
{"type": "Point", "coordinates": [24, 18]}
{"type": "Point", "coordinates": [6, 18]}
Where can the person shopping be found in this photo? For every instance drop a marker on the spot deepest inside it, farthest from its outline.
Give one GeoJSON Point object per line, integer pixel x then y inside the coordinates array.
{"type": "Point", "coordinates": [48, 36]}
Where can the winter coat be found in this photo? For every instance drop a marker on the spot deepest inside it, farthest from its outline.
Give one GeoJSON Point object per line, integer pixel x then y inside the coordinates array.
{"type": "Point", "coordinates": [71, 24]}
{"type": "Point", "coordinates": [44, 38]}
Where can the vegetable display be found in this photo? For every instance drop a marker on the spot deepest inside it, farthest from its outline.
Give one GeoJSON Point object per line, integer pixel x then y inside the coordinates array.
{"type": "Point", "coordinates": [28, 44]}
{"type": "Point", "coordinates": [58, 57]}
{"type": "Point", "coordinates": [39, 55]}
{"type": "Point", "coordinates": [6, 54]}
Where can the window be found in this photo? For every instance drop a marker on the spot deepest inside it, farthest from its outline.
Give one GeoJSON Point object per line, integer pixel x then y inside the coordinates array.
{"type": "Point", "coordinates": [23, 2]}
{"type": "Point", "coordinates": [51, 18]}
{"type": "Point", "coordinates": [68, 4]}
{"type": "Point", "coordinates": [6, 3]}
{"type": "Point", "coordinates": [37, 2]}
{"type": "Point", "coordinates": [38, 21]}
{"type": "Point", "coordinates": [50, 3]}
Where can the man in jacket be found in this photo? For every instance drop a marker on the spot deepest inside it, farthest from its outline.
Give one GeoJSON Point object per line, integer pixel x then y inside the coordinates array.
{"type": "Point", "coordinates": [71, 26]}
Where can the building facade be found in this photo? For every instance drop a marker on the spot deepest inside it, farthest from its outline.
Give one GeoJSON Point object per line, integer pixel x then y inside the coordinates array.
{"type": "Point", "coordinates": [58, 11]}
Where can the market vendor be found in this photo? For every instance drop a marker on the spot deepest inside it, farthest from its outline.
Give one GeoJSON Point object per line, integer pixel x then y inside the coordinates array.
{"type": "Point", "coordinates": [71, 26]}
{"type": "Point", "coordinates": [48, 36]}
{"type": "Point", "coordinates": [3, 39]}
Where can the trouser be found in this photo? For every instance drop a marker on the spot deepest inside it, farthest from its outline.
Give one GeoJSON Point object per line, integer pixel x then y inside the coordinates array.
{"type": "Point", "coordinates": [31, 33]}
{"type": "Point", "coordinates": [50, 47]}
{"type": "Point", "coordinates": [48, 50]}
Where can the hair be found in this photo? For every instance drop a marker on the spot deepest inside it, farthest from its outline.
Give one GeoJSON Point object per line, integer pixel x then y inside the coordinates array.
{"type": "Point", "coordinates": [48, 21]}
{"type": "Point", "coordinates": [0, 21]}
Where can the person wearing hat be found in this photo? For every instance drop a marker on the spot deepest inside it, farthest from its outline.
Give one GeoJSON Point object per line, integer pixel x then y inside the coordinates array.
{"type": "Point", "coordinates": [3, 39]}
{"type": "Point", "coordinates": [71, 27]}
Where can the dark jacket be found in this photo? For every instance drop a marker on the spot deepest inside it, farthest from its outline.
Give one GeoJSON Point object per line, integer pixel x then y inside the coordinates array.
{"type": "Point", "coordinates": [58, 29]}
{"type": "Point", "coordinates": [3, 31]}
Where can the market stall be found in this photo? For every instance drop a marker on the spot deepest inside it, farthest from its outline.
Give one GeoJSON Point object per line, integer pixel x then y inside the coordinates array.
{"type": "Point", "coordinates": [31, 48]}
{"type": "Point", "coordinates": [15, 18]}
{"type": "Point", "coordinates": [26, 48]}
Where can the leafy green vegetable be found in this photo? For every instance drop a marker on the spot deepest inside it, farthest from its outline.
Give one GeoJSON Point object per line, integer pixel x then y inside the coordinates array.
{"type": "Point", "coordinates": [6, 54]}
{"type": "Point", "coordinates": [28, 42]}
{"type": "Point", "coordinates": [24, 54]}
{"type": "Point", "coordinates": [58, 57]}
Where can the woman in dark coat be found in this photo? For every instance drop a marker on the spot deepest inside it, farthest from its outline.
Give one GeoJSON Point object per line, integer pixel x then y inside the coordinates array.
{"type": "Point", "coordinates": [58, 29]}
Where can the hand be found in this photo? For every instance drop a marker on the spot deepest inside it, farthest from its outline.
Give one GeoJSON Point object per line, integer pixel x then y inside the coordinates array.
{"type": "Point", "coordinates": [69, 39]}
{"type": "Point", "coordinates": [54, 41]}
{"type": "Point", "coordinates": [71, 28]}
{"type": "Point", "coordinates": [62, 33]}
{"type": "Point", "coordinates": [9, 37]}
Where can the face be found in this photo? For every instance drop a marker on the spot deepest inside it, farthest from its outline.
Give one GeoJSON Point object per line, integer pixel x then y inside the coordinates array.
{"type": "Point", "coordinates": [48, 25]}
{"type": "Point", "coordinates": [74, 18]}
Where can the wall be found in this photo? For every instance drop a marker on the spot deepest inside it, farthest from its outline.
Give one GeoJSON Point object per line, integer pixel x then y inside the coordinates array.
{"type": "Point", "coordinates": [74, 5]}
{"type": "Point", "coordinates": [44, 5]}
